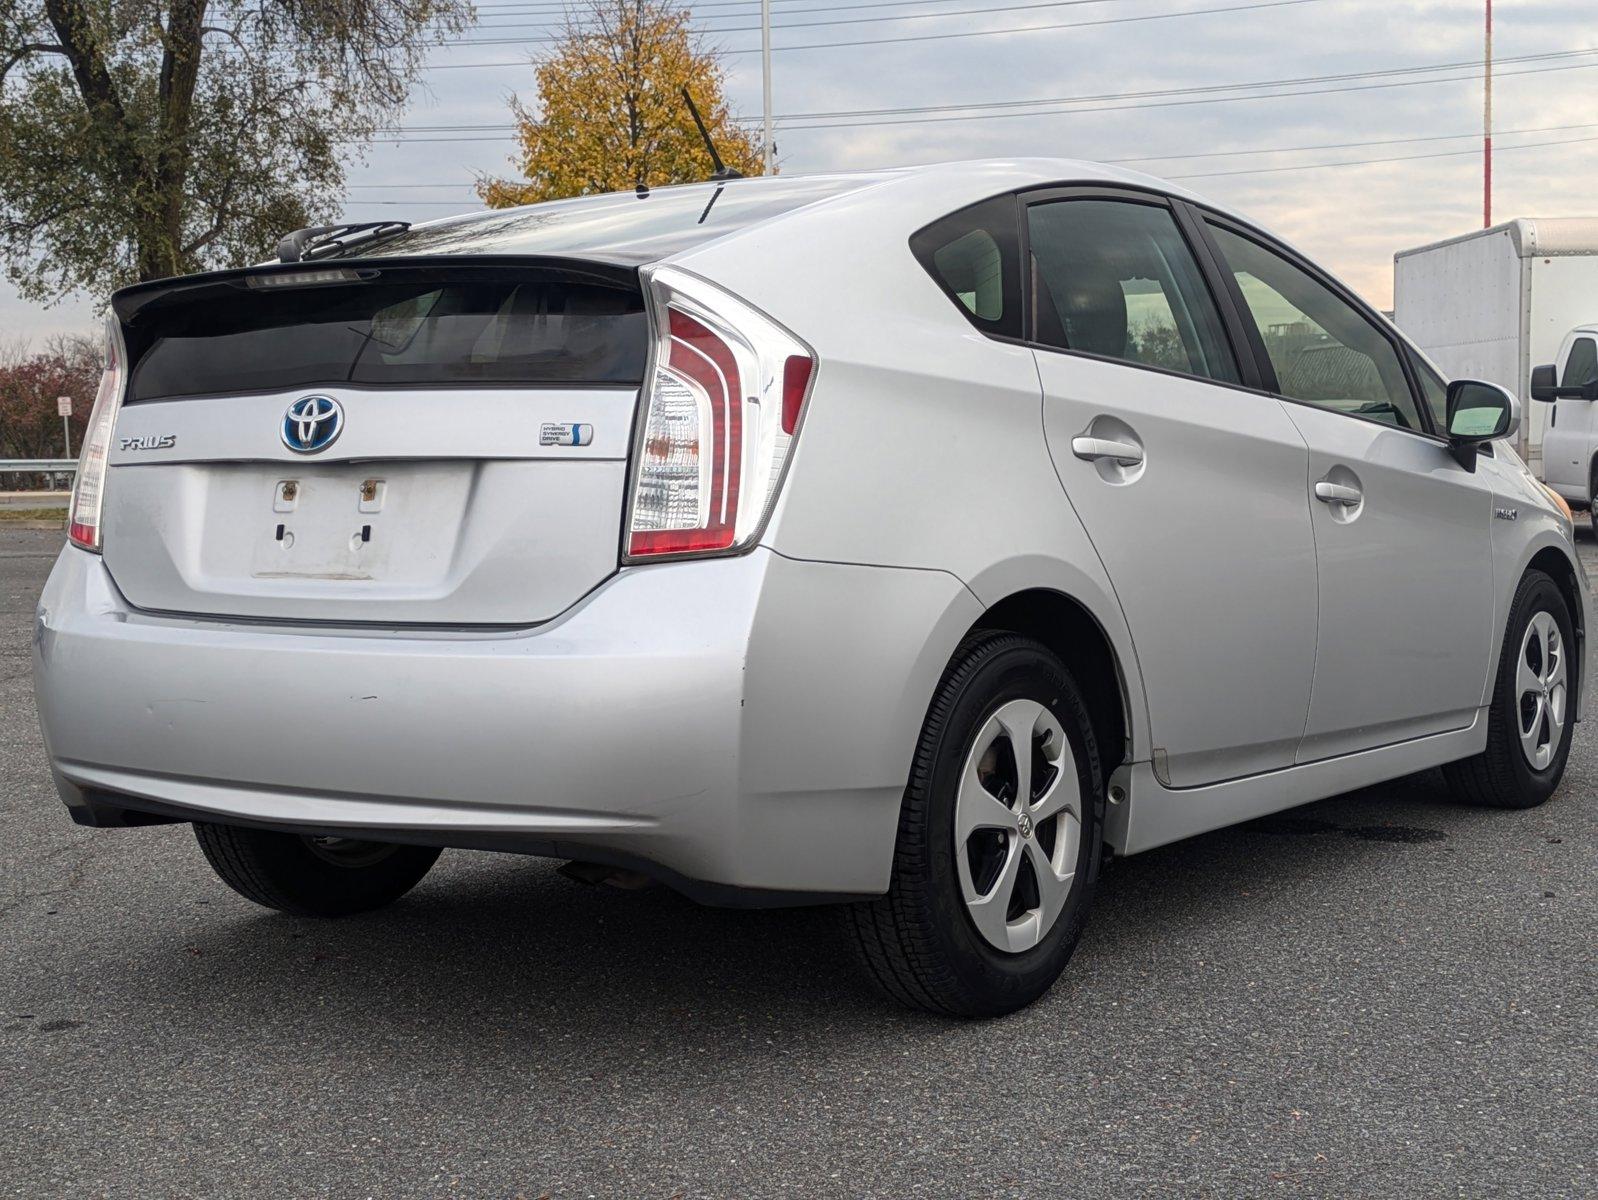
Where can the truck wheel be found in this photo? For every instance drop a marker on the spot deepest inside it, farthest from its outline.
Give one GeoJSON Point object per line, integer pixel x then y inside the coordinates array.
{"type": "Point", "coordinates": [312, 876]}
{"type": "Point", "coordinates": [1530, 721]}
{"type": "Point", "coordinates": [998, 848]}
{"type": "Point", "coordinates": [1592, 500]}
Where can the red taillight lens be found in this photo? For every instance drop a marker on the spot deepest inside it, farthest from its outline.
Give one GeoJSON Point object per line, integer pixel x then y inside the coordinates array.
{"type": "Point", "coordinates": [719, 413]}
{"type": "Point", "coordinates": [704, 364]}
{"type": "Point", "coordinates": [796, 374]}
{"type": "Point", "coordinates": [88, 489]}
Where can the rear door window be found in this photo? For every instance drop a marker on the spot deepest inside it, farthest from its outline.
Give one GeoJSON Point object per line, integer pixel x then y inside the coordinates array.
{"type": "Point", "coordinates": [396, 333]}
{"type": "Point", "coordinates": [1116, 278]}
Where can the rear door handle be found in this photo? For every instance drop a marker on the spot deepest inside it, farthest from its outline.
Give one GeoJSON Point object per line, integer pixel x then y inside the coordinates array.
{"type": "Point", "coordinates": [1337, 493]}
{"type": "Point", "coordinates": [1128, 454]}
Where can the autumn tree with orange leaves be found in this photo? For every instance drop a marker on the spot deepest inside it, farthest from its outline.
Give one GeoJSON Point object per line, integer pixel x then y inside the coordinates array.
{"type": "Point", "coordinates": [610, 113]}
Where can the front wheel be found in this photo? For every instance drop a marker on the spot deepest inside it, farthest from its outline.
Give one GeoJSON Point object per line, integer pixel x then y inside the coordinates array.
{"type": "Point", "coordinates": [1531, 719]}
{"type": "Point", "coordinates": [998, 847]}
{"type": "Point", "coordinates": [312, 876]}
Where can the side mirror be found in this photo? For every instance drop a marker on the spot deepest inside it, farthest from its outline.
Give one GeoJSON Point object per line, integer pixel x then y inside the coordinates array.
{"type": "Point", "coordinates": [1545, 386]}
{"type": "Point", "coordinates": [1477, 413]}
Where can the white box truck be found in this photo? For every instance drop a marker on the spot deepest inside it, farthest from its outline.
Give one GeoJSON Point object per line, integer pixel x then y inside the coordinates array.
{"type": "Point", "coordinates": [1495, 303]}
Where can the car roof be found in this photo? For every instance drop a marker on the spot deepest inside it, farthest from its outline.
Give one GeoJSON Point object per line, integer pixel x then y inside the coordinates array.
{"type": "Point", "coordinates": [618, 232]}
{"type": "Point", "coordinates": [646, 225]}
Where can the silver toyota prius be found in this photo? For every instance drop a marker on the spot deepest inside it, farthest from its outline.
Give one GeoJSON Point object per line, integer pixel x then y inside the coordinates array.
{"type": "Point", "coordinates": [907, 540]}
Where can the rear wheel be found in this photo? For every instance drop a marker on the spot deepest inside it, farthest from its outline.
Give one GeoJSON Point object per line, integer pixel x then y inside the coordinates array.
{"type": "Point", "coordinates": [1530, 722]}
{"type": "Point", "coordinates": [998, 848]}
{"type": "Point", "coordinates": [312, 876]}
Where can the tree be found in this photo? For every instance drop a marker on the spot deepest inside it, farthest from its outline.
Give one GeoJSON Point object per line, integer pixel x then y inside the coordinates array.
{"type": "Point", "coordinates": [145, 138]}
{"type": "Point", "coordinates": [610, 113]}
{"type": "Point", "coordinates": [30, 426]}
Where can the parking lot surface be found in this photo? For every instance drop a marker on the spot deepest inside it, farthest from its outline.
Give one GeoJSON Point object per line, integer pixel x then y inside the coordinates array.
{"type": "Point", "coordinates": [1382, 994]}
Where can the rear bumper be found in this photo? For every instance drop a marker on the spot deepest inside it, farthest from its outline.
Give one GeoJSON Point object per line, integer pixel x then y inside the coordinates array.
{"type": "Point", "coordinates": [742, 727]}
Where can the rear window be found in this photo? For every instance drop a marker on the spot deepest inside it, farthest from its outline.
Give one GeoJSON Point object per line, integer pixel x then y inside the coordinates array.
{"type": "Point", "coordinates": [420, 332]}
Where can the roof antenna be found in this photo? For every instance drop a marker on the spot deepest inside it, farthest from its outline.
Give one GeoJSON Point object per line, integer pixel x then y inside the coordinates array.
{"type": "Point", "coordinates": [722, 171]}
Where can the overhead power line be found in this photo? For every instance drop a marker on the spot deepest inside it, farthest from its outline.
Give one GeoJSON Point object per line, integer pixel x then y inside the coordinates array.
{"type": "Point", "coordinates": [534, 7]}
{"type": "Point", "coordinates": [1335, 77]}
{"type": "Point", "coordinates": [1317, 166]}
{"type": "Point", "coordinates": [1199, 94]}
{"type": "Point", "coordinates": [920, 16]}
{"type": "Point", "coordinates": [1176, 157]}
{"type": "Point", "coordinates": [1209, 98]}
{"type": "Point", "coordinates": [1364, 162]}
{"type": "Point", "coordinates": [1435, 137]}
{"type": "Point", "coordinates": [920, 37]}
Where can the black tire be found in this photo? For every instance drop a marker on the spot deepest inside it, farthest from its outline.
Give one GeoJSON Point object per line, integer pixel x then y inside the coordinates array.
{"type": "Point", "coordinates": [919, 942]}
{"type": "Point", "coordinates": [1500, 776]}
{"type": "Point", "coordinates": [1592, 501]}
{"type": "Point", "coordinates": [312, 877]}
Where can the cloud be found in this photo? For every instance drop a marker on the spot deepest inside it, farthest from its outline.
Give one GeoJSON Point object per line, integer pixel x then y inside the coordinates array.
{"type": "Point", "coordinates": [1351, 218]}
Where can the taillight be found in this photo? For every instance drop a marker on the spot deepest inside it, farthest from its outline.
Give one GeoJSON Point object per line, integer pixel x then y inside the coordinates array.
{"type": "Point", "coordinates": [721, 409]}
{"type": "Point", "coordinates": [88, 490]}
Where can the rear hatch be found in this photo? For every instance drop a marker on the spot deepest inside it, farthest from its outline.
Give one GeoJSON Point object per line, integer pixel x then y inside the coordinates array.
{"type": "Point", "coordinates": [394, 443]}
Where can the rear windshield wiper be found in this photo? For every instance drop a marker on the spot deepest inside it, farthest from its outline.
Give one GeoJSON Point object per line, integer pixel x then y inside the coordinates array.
{"type": "Point", "coordinates": [318, 241]}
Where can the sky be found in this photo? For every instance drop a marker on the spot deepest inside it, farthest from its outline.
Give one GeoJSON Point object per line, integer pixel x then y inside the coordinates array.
{"type": "Point", "coordinates": [1227, 144]}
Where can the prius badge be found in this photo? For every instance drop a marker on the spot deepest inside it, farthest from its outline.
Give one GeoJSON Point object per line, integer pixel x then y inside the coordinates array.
{"type": "Point", "coordinates": [312, 423]}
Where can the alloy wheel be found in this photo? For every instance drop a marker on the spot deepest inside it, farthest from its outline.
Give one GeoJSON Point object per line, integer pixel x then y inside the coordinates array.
{"type": "Point", "coordinates": [1541, 690]}
{"type": "Point", "coordinates": [1017, 825]}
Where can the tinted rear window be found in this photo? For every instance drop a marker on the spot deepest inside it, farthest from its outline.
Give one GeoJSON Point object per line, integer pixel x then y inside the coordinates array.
{"type": "Point", "coordinates": [421, 332]}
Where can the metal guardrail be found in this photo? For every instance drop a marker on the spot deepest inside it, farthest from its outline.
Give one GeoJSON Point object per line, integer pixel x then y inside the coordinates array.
{"type": "Point", "coordinates": [52, 466]}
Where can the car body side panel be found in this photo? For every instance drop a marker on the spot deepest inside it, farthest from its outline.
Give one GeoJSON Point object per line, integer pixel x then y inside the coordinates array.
{"type": "Point", "coordinates": [1406, 586]}
{"type": "Point", "coordinates": [1211, 531]}
{"type": "Point", "coordinates": [922, 445]}
{"type": "Point", "coordinates": [1155, 815]}
{"type": "Point", "coordinates": [842, 665]}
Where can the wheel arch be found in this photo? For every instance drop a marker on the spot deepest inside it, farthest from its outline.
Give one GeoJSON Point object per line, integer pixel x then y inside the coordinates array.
{"type": "Point", "coordinates": [1070, 629]}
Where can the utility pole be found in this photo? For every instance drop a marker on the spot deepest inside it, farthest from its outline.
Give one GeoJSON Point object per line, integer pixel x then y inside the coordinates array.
{"type": "Point", "coordinates": [1487, 125]}
{"type": "Point", "coordinates": [768, 147]}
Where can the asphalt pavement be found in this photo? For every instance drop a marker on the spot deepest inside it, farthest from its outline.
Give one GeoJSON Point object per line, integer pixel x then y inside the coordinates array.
{"type": "Point", "coordinates": [1382, 994]}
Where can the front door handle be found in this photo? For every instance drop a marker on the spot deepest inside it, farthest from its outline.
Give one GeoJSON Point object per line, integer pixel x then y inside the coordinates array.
{"type": "Point", "coordinates": [1337, 493]}
{"type": "Point", "coordinates": [1128, 454]}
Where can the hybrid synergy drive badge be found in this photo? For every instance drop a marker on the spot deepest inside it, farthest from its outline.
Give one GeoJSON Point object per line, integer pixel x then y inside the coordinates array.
{"type": "Point", "coordinates": [565, 435]}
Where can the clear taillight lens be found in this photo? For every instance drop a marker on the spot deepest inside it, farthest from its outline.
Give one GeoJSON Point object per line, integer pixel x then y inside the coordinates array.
{"type": "Point", "coordinates": [88, 490]}
{"type": "Point", "coordinates": [721, 409]}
